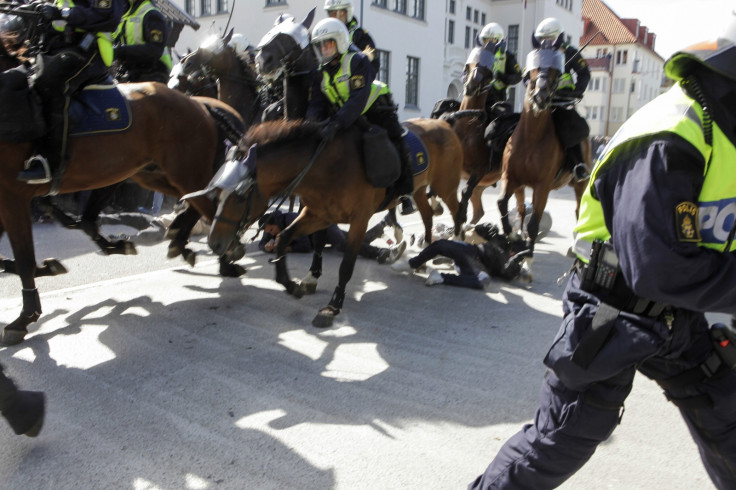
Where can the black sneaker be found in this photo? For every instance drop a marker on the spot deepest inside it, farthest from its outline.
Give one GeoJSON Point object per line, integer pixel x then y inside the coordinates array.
{"type": "Point", "coordinates": [36, 171]}
{"type": "Point", "coordinates": [580, 172]}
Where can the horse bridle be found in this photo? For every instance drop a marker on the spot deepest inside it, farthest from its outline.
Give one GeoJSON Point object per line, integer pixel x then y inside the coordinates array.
{"type": "Point", "coordinates": [246, 190]}
{"type": "Point", "coordinates": [484, 87]}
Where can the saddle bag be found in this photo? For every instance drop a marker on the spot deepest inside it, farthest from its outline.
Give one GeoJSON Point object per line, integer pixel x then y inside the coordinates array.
{"type": "Point", "coordinates": [21, 118]}
{"type": "Point", "coordinates": [443, 106]}
{"type": "Point", "coordinates": [382, 162]}
{"type": "Point", "coordinates": [499, 130]}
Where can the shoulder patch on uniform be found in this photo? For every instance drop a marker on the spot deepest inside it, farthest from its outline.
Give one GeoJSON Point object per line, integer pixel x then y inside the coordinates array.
{"type": "Point", "coordinates": [103, 4]}
{"type": "Point", "coordinates": [686, 214]}
{"type": "Point", "coordinates": [357, 82]}
{"type": "Point", "coordinates": [157, 36]}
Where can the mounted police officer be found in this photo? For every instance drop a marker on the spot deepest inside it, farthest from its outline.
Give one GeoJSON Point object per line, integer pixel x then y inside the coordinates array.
{"type": "Point", "coordinates": [506, 71]}
{"type": "Point", "coordinates": [344, 88]}
{"type": "Point", "coordinates": [78, 52]}
{"type": "Point", "coordinates": [655, 247]}
{"type": "Point", "coordinates": [569, 92]}
{"type": "Point", "coordinates": [140, 44]}
{"type": "Point", "coordinates": [343, 11]}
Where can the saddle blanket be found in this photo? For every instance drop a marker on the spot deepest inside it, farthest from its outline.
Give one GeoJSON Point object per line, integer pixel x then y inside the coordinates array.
{"type": "Point", "coordinates": [417, 152]}
{"type": "Point", "coordinates": [99, 109]}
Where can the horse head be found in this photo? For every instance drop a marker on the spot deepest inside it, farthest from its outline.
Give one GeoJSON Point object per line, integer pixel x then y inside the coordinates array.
{"type": "Point", "coordinates": [478, 72]}
{"type": "Point", "coordinates": [545, 65]}
{"type": "Point", "coordinates": [283, 46]}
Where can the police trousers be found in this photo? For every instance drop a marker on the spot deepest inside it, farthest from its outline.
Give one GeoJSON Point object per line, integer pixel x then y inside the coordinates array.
{"type": "Point", "coordinates": [579, 408]}
{"type": "Point", "coordinates": [462, 254]}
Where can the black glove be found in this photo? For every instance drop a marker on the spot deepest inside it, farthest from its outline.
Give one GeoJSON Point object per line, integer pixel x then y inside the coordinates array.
{"type": "Point", "coordinates": [49, 12]}
{"type": "Point", "coordinates": [329, 131]}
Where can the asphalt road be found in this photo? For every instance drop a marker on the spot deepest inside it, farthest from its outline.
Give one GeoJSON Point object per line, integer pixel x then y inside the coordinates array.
{"type": "Point", "coordinates": [159, 375]}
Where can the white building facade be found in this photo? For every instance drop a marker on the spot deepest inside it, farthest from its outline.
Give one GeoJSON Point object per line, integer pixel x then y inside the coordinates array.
{"type": "Point", "coordinates": [423, 44]}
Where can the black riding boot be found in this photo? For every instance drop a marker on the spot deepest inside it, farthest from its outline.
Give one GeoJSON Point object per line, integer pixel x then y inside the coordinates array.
{"type": "Point", "coordinates": [39, 168]}
{"type": "Point", "coordinates": [24, 410]}
{"type": "Point", "coordinates": [405, 183]}
{"type": "Point", "coordinates": [574, 160]}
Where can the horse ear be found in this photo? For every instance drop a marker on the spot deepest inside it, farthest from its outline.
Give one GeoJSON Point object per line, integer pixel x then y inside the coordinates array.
{"type": "Point", "coordinates": [226, 39]}
{"type": "Point", "coordinates": [477, 40]}
{"type": "Point", "coordinates": [560, 39]}
{"type": "Point", "coordinates": [307, 22]}
{"type": "Point", "coordinates": [535, 42]}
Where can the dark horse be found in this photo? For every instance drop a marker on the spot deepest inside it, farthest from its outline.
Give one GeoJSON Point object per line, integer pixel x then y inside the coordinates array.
{"type": "Point", "coordinates": [534, 156]}
{"type": "Point", "coordinates": [162, 119]}
{"type": "Point", "coordinates": [235, 81]}
{"type": "Point", "coordinates": [480, 167]}
{"type": "Point", "coordinates": [289, 157]}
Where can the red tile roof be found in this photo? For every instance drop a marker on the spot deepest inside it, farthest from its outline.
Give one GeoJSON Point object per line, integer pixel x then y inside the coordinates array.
{"type": "Point", "coordinates": [597, 16]}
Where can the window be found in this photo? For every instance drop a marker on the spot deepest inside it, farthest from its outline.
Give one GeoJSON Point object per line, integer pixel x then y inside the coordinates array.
{"type": "Point", "coordinates": [601, 52]}
{"type": "Point", "coordinates": [399, 6]}
{"type": "Point", "coordinates": [475, 16]}
{"type": "Point", "coordinates": [450, 32]}
{"type": "Point", "coordinates": [633, 87]}
{"type": "Point", "coordinates": [604, 84]}
{"type": "Point", "coordinates": [467, 37]}
{"type": "Point", "coordinates": [416, 9]}
{"type": "Point", "coordinates": [587, 113]}
{"type": "Point", "coordinates": [475, 34]}
{"type": "Point", "coordinates": [412, 81]}
{"type": "Point", "coordinates": [276, 2]}
{"type": "Point", "coordinates": [451, 7]}
{"type": "Point", "coordinates": [205, 8]}
{"type": "Point", "coordinates": [512, 39]}
{"type": "Point", "coordinates": [221, 6]}
{"type": "Point", "coordinates": [618, 85]}
{"type": "Point", "coordinates": [595, 113]}
{"type": "Point", "coordinates": [189, 7]}
{"type": "Point", "coordinates": [483, 19]}
{"type": "Point", "coordinates": [380, 3]}
{"type": "Point", "coordinates": [596, 84]}
{"type": "Point", "coordinates": [384, 62]}
{"type": "Point", "coordinates": [621, 57]}
{"type": "Point", "coordinates": [468, 13]}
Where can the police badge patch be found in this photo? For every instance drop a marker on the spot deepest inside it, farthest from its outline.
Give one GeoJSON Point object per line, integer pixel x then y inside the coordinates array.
{"type": "Point", "coordinates": [157, 36]}
{"type": "Point", "coordinates": [686, 214]}
{"type": "Point", "coordinates": [357, 82]}
{"type": "Point", "coordinates": [103, 4]}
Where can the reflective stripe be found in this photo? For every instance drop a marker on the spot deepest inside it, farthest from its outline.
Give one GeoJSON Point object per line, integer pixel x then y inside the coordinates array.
{"type": "Point", "coordinates": [104, 39]}
{"type": "Point", "coordinates": [338, 91]}
{"type": "Point", "coordinates": [130, 30]}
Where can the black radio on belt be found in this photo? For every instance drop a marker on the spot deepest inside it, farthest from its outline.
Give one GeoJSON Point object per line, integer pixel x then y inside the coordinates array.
{"type": "Point", "coordinates": [602, 268]}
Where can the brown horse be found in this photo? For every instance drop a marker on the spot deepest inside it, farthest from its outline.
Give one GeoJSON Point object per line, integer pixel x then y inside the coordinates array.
{"type": "Point", "coordinates": [534, 156]}
{"type": "Point", "coordinates": [332, 184]}
{"type": "Point", "coordinates": [177, 133]}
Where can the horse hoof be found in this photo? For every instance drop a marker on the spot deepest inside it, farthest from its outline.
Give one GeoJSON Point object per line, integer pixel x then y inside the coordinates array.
{"type": "Point", "coordinates": [12, 337]}
{"type": "Point", "coordinates": [174, 251]}
{"type": "Point", "coordinates": [324, 318]}
{"type": "Point", "coordinates": [171, 233]}
{"type": "Point", "coordinates": [232, 270]}
{"type": "Point", "coordinates": [295, 289]}
{"type": "Point", "coordinates": [129, 248]}
{"type": "Point", "coordinates": [309, 288]}
{"type": "Point", "coordinates": [55, 267]}
{"type": "Point", "coordinates": [189, 256]}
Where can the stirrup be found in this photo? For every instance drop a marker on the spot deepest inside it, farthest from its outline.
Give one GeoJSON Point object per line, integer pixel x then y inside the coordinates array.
{"type": "Point", "coordinates": [580, 172]}
{"type": "Point", "coordinates": [26, 176]}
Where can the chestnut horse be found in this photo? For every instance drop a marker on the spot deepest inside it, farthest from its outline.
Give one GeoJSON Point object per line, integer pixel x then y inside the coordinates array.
{"type": "Point", "coordinates": [177, 133]}
{"type": "Point", "coordinates": [534, 156]}
{"type": "Point", "coordinates": [332, 185]}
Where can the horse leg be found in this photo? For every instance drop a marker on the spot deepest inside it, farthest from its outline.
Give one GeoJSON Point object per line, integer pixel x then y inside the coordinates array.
{"type": "Point", "coordinates": [462, 214]}
{"type": "Point", "coordinates": [179, 231]}
{"type": "Point", "coordinates": [98, 199]}
{"type": "Point", "coordinates": [425, 211]}
{"type": "Point", "coordinates": [391, 221]}
{"type": "Point", "coordinates": [20, 233]}
{"type": "Point", "coordinates": [476, 201]}
{"type": "Point", "coordinates": [50, 267]}
{"type": "Point", "coordinates": [309, 283]}
{"type": "Point", "coordinates": [503, 206]}
{"type": "Point", "coordinates": [356, 234]}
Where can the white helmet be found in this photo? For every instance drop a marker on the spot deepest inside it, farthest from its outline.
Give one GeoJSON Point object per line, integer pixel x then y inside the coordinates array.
{"type": "Point", "coordinates": [549, 28]}
{"type": "Point", "coordinates": [346, 5]}
{"type": "Point", "coordinates": [330, 28]}
{"type": "Point", "coordinates": [492, 32]}
{"type": "Point", "coordinates": [239, 43]}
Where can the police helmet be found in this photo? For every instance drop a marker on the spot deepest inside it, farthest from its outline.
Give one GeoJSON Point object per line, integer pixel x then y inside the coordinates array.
{"type": "Point", "coordinates": [718, 55]}
{"type": "Point", "coordinates": [330, 29]}
{"type": "Point", "coordinates": [492, 33]}
{"type": "Point", "coordinates": [550, 28]}
{"type": "Point", "coordinates": [347, 5]}
{"type": "Point", "coordinates": [13, 30]}
{"type": "Point", "coordinates": [239, 43]}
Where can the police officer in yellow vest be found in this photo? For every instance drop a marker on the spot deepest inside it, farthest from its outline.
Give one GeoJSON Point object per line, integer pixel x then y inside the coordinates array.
{"type": "Point", "coordinates": [655, 246]}
{"type": "Point", "coordinates": [140, 44]}
{"type": "Point", "coordinates": [78, 51]}
{"type": "Point", "coordinates": [344, 88]}
{"type": "Point", "coordinates": [506, 71]}
{"type": "Point", "coordinates": [569, 92]}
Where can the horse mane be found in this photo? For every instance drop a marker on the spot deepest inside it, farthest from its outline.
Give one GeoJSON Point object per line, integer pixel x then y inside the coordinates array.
{"type": "Point", "coordinates": [280, 133]}
{"type": "Point", "coordinates": [250, 76]}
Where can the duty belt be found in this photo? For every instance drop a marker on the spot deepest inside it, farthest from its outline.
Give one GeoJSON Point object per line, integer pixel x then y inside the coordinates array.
{"type": "Point", "coordinates": [614, 300]}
